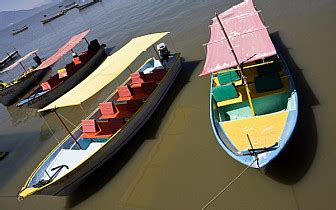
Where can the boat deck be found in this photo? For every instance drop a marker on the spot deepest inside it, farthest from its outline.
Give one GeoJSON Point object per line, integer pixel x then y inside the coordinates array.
{"type": "Point", "coordinates": [262, 130]}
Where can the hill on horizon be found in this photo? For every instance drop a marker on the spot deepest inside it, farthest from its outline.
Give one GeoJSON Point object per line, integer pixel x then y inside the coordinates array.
{"type": "Point", "coordinates": [11, 17]}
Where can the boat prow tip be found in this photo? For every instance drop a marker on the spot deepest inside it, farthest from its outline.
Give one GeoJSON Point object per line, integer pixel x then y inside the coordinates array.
{"type": "Point", "coordinates": [25, 192]}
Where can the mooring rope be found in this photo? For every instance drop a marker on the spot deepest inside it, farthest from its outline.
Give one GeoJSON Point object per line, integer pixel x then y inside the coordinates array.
{"type": "Point", "coordinates": [67, 120]}
{"type": "Point", "coordinates": [49, 128]}
{"type": "Point", "coordinates": [227, 186]}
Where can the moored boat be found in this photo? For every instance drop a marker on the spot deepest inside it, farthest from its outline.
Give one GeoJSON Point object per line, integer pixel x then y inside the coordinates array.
{"type": "Point", "coordinates": [69, 76]}
{"type": "Point", "coordinates": [10, 92]}
{"type": "Point", "coordinates": [83, 6]}
{"type": "Point", "coordinates": [48, 19]}
{"type": "Point", "coordinates": [253, 99]}
{"type": "Point", "coordinates": [111, 125]}
{"type": "Point", "coordinates": [19, 30]}
{"type": "Point", "coordinates": [10, 57]}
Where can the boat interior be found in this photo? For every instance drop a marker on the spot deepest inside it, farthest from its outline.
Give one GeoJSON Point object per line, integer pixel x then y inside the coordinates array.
{"type": "Point", "coordinates": [237, 106]}
{"type": "Point", "coordinates": [106, 121]}
{"type": "Point", "coordinates": [62, 75]}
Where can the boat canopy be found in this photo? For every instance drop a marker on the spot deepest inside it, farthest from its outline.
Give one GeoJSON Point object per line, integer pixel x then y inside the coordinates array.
{"type": "Point", "coordinates": [247, 34]}
{"type": "Point", "coordinates": [110, 69]}
{"type": "Point", "coordinates": [19, 61]}
{"type": "Point", "coordinates": [63, 50]}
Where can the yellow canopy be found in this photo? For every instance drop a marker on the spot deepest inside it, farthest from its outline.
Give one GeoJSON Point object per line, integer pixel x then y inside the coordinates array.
{"type": "Point", "coordinates": [110, 69]}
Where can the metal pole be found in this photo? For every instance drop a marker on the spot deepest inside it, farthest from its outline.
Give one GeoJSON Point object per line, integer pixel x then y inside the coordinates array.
{"type": "Point", "coordinates": [227, 38]}
{"type": "Point", "coordinates": [255, 155]}
{"type": "Point", "coordinates": [86, 41]}
{"type": "Point", "coordinates": [156, 52]}
{"type": "Point", "coordinates": [67, 129]}
{"type": "Point", "coordinates": [239, 65]}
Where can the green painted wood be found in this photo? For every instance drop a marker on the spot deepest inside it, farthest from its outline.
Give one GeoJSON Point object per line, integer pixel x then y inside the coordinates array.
{"type": "Point", "coordinates": [224, 92]}
{"type": "Point", "coordinates": [268, 82]}
{"type": "Point", "coordinates": [228, 77]}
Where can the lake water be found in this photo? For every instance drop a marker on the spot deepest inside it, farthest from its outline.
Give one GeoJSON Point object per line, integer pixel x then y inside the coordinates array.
{"type": "Point", "coordinates": [175, 161]}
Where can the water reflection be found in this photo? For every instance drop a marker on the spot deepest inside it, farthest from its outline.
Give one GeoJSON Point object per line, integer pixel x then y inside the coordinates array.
{"type": "Point", "coordinates": [295, 160]}
{"type": "Point", "coordinates": [111, 168]}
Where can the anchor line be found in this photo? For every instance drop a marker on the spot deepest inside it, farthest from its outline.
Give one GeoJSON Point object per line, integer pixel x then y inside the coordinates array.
{"type": "Point", "coordinates": [227, 186]}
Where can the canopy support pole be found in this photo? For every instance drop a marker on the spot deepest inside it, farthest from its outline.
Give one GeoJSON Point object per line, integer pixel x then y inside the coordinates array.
{"type": "Point", "coordinates": [240, 66]}
{"type": "Point", "coordinates": [67, 129]}
{"type": "Point", "coordinates": [227, 38]}
{"type": "Point", "coordinates": [156, 52]}
{"type": "Point", "coordinates": [87, 42]}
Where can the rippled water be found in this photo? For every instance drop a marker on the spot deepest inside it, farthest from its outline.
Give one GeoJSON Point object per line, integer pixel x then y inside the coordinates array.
{"type": "Point", "coordinates": [175, 162]}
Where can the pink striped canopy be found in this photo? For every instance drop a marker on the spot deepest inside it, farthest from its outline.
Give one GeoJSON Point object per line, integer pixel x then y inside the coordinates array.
{"type": "Point", "coordinates": [63, 50]}
{"type": "Point", "coordinates": [248, 36]}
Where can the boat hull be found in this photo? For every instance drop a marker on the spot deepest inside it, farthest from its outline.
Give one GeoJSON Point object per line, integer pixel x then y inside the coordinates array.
{"type": "Point", "coordinates": [67, 183]}
{"type": "Point", "coordinates": [19, 30]}
{"type": "Point", "coordinates": [83, 72]}
{"type": "Point", "coordinates": [265, 157]}
{"type": "Point", "coordinates": [11, 94]}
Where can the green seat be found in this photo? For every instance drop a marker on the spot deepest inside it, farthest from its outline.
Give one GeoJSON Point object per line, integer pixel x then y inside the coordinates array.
{"type": "Point", "coordinates": [227, 77]}
{"type": "Point", "coordinates": [268, 82]}
{"type": "Point", "coordinates": [224, 92]}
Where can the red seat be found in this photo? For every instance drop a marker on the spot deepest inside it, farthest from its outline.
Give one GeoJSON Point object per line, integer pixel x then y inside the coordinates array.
{"type": "Point", "coordinates": [138, 77]}
{"type": "Point", "coordinates": [124, 91]}
{"type": "Point", "coordinates": [89, 126]}
{"type": "Point", "coordinates": [77, 61]}
{"type": "Point", "coordinates": [45, 86]}
{"type": "Point", "coordinates": [101, 129]}
{"type": "Point", "coordinates": [107, 110]}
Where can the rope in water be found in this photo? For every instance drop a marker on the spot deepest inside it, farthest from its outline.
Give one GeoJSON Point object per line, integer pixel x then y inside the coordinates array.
{"type": "Point", "coordinates": [8, 196]}
{"type": "Point", "coordinates": [227, 186]}
{"type": "Point", "coordinates": [67, 120]}
{"type": "Point", "coordinates": [50, 130]}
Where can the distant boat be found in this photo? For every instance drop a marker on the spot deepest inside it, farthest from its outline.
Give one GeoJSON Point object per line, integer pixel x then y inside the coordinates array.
{"type": "Point", "coordinates": [83, 6]}
{"type": "Point", "coordinates": [66, 78]}
{"type": "Point", "coordinates": [48, 19]}
{"type": "Point", "coordinates": [70, 6]}
{"type": "Point", "coordinates": [6, 60]}
{"type": "Point", "coordinates": [110, 126]}
{"type": "Point", "coordinates": [253, 100]}
{"type": "Point", "coordinates": [19, 30]}
{"type": "Point", "coordinates": [10, 92]}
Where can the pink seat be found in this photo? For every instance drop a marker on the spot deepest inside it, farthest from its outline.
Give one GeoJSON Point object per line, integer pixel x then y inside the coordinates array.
{"type": "Point", "coordinates": [77, 61]}
{"type": "Point", "coordinates": [107, 110]}
{"type": "Point", "coordinates": [138, 77]}
{"type": "Point", "coordinates": [89, 126]}
{"type": "Point", "coordinates": [124, 91]}
{"type": "Point", "coordinates": [45, 86]}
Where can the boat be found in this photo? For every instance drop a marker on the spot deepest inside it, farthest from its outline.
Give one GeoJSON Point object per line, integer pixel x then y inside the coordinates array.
{"type": "Point", "coordinates": [116, 120]}
{"type": "Point", "coordinates": [10, 56]}
{"type": "Point", "coordinates": [19, 30]}
{"type": "Point", "coordinates": [10, 92]}
{"type": "Point", "coordinates": [70, 6]}
{"type": "Point", "coordinates": [48, 19]}
{"type": "Point", "coordinates": [69, 76]}
{"type": "Point", "coordinates": [83, 6]}
{"type": "Point", "coordinates": [253, 99]}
